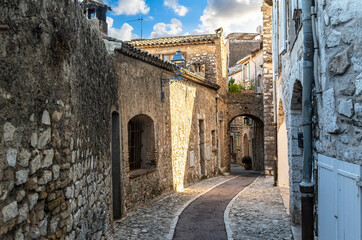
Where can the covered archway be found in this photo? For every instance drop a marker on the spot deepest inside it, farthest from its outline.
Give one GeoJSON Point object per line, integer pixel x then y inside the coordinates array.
{"type": "Point", "coordinates": [248, 140]}
{"type": "Point", "coordinates": [247, 110]}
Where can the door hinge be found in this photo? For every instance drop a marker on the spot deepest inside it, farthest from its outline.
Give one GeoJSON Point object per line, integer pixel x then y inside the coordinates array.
{"type": "Point", "coordinates": [359, 183]}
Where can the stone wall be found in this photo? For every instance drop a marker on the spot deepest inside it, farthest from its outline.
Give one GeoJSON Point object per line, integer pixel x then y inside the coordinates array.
{"type": "Point", "coordinates": [176, 121]}
{"type": "Point", "coordinates": [338, 119]}
{"type": "Point", "coordinates": [195, 53]}
{"type": "Point", "coordinates": [269, 125]}
{"type": "Point", "coordinates": [336, 93]}
{"type": "Point", "coordinates": [57, 94]}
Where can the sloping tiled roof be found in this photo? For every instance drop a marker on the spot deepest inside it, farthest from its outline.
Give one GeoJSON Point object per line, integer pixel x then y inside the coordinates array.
{"type": "Point", "coordinates": [130, 51]}
{"type": "Point", "coordinates": [174, 40]}
{"type": "Point", "coordinates": [235, 69]}
{"type": "Point", "coordinates": [243, 36]}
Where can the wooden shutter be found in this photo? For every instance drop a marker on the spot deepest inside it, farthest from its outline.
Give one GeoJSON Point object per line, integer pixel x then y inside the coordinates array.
{"type": "Point", "coordinates": [282, 26]}
{"type": "Point", "coordinates": [339, 199]}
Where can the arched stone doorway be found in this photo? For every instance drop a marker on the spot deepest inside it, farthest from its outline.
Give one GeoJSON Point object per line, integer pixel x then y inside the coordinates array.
{"type": "Point", "coordinates": [295, 151]}
{"type": "Point", "coordinates": [248, 106]}
{"type": "Point", "coordinates": [248, 137]}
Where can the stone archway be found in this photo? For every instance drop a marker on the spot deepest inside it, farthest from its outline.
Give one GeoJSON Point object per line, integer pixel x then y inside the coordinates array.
{"type": "Point", "coordinates": [295, 151]}
{"type": "Point", "coordinates": [249, 105]}
{"type": "Point", "coordinates": [250, 139]}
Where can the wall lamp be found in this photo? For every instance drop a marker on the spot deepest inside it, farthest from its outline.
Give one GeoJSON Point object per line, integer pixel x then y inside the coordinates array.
{"type": "Point", "coordinates": [179, 61]}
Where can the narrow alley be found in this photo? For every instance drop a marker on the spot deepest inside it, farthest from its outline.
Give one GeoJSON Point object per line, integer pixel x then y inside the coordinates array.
{"type": "Point", "coordinates": [180, 120]}
{"type": "Point", "coordinates": [245, 205]}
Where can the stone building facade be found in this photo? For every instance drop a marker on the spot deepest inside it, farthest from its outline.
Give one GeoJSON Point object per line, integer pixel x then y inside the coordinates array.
{"type": "Point", "coordinates": [249, 71]}
{"type": "Point", "coordinates": [239, 45]}
{"type": "Point", "coordinates": [205, 56]}
{"type": "Point", "coordinates": [183, 139]}
{"type": "Point", "coordinates": [336, 110]}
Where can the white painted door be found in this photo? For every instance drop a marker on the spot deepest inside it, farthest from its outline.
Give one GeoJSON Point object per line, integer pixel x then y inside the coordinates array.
{"type": "Point", "coordinates": [339, 200]}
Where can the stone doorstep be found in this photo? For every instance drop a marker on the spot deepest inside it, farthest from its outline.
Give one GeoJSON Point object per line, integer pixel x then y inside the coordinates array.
{"type": "Point", "coordinates": [140, 172]}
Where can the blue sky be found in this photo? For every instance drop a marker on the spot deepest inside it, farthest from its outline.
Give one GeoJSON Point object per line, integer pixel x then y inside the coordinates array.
{"type": "Point", "coordinates": [181, 17]}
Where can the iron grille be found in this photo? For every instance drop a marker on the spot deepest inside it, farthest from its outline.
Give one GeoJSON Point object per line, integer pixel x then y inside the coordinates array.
{"type": "Point", "coordinates": [134, 145]}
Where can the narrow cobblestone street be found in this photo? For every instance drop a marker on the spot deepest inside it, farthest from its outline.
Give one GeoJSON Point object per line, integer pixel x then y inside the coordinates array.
{"type": "Point", "coordinates": [257, 212]}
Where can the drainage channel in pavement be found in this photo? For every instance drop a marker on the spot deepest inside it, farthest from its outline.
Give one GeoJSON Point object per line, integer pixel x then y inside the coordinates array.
{"type": "Point", "coordinates": [204, 217]}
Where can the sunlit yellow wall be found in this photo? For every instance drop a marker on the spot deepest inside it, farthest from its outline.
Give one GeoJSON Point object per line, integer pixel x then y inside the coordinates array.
{"type": "Point", "coordinates": [182, 98]}
{"type": "Point", "coordinates": [189, 103]}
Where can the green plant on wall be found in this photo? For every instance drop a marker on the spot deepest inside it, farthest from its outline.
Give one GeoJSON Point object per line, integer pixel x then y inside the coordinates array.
{"type": "Point", "coordinates": [234, 87]}
{"type": "Point", "coordinates": [252, 84]}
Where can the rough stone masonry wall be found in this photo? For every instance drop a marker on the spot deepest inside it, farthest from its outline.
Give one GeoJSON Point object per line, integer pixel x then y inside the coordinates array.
{"type": "Point", "coordinates": [140, 93]}
{"type": "Point", "coordinates": [195, 53]}
{"type": "Point", "coordinates": [57, 91]}
{"type": "Point", "coordinates": [337, 115]}
{"type": "Point", "coordinates": [269, 131]}
{"type": "Point", "coordinates": [176, 128]}
{"type": "Point", "coordinates": [338, 121]}
{"type": "Point", "coordinates": [251, 105]}
{"type": "Point", "coordinates": [289, 78]}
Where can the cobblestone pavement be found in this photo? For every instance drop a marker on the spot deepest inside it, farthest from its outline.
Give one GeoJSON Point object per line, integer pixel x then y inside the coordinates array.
{"type": "Point", "coordinates": [156, 221]}
{"type": "Point", "coordinates": [258, 213]}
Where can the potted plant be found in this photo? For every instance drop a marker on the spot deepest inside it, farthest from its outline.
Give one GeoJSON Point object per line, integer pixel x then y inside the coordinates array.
{"type": "Point", "coordinates": [246, 160]}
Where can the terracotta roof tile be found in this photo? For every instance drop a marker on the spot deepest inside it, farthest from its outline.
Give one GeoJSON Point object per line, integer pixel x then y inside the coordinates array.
{"type": "Point", "coordinates": [174, 40]}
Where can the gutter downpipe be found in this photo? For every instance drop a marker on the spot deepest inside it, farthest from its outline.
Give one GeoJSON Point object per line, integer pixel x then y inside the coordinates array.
{"type": "Point", "coordinates": [307, 186]}
{"type": "Point", "coordinates": [275, 124]}
{"type": "Point", "coordinates": [275, 74]}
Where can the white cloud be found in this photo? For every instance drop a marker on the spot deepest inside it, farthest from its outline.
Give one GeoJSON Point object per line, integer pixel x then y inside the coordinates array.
{"type": "Point", "coordinates": [166, 30]}
{"type": "Point", "coordinates": [179, 9]}
{"type": "Point", "coordinates": [131, 7]}
{"type": "Point", "coordinates": [125, 33]}
{"type": "Point", "coordinates": [232, 15]}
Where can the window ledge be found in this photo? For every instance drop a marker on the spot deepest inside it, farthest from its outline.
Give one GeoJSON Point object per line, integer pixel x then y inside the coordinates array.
{"type": "Point", "coordinates": [140, 172]}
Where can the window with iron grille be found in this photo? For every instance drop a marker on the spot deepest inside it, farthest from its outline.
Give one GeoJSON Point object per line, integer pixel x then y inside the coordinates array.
{"type": "Point", "coordinates": [141, 143]}
{"type": "Point", "coordinates": [134, 145]}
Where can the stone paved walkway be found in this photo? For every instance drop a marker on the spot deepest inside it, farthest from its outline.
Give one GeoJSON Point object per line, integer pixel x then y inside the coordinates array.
{"type": "Point", "coordinates": [203, 219]}
{"type": "Point", "coordinates": [258, 213]}
{"type": "Point", "coordinates": [158, 220]}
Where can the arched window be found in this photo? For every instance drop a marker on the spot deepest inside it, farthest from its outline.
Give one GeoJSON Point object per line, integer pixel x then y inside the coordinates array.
{"type": "Point", "coordinates": [141, 143]}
